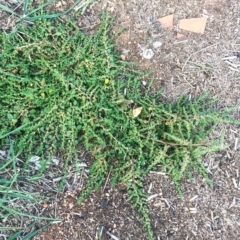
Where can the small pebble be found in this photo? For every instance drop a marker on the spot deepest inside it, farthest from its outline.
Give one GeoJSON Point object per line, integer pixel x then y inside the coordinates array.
{"type": "Point", "coordinates": [147, 53]}
{"type": "Point", "coordinates": [157, 44]}
{"type": "Point", "coordinates": [144, 83]}
{"type": "Point", "coordinates": [104, 203]}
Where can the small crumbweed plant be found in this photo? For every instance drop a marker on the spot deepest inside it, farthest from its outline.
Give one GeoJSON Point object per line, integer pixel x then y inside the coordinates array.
{"type": "Point", "coordinates": [60, 88]}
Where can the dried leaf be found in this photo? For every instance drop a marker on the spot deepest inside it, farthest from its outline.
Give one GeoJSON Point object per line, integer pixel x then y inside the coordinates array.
{"type": "Point", "coordinates": [123, 57]}
{"type": "Point", "coordinates": [137, 112]}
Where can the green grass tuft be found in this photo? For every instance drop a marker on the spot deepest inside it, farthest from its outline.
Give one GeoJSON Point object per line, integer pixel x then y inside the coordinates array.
{"type": "Point", "coordinates": [61, 88]}
{"type": "Point", "coordinates": [31, 12]}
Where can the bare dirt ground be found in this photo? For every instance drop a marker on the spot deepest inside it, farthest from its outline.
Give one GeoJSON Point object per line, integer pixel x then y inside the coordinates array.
{"type": "Point", "coordinates": [191, 65]}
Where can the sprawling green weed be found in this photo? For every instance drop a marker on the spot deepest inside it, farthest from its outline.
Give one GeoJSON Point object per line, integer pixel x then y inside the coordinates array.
{"type": "Point", "coordinates": [60, 88]}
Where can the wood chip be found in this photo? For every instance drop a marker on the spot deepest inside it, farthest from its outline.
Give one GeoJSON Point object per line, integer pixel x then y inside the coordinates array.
{"type": "Point", "coordinates": [152, 196]}
{"type": "Point", "coordinates": [193, 210]}
{"type": "Point", "coordinates": [229, 58]}
{"type": "Point", "coordinates": [233, 203]}
{"type": "Point", "coordinates": [211, 2]}
{"type": "Point", "coordinates": [160, 173]}
{"type": "Point", "coordinates": [166, 201]}
{"type": "Point", "coordinates": [231, 64]}
{"type": "Point", "coordinates": [150, 188]}
{"type": "Point", "coordinates": [234, 69]}
{"type": "Point", "coordinates": [193, 198]}
{"type": "Point", "coordinates": [234, 182]}
{"type": "Point", "coordinates": [212, 217]}
{"type": "Point", "coordinates": [236, 144]}
{"type": "Point", "coordinates": [112, 236]}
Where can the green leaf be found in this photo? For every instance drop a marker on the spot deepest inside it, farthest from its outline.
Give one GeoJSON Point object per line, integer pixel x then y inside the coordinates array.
{"type": "Point", "coordinates": [15, 235]}
{"type": "Point", "coordinates": [9, 116]}
{"type": "Point", "coordinates": [34, 233]}
{"type": "Point", "coordinates": [25, 5]}
{"type": "Point", "coordinates": [7, 9]}
{"type": "Point", "coordinates": [40, 7]}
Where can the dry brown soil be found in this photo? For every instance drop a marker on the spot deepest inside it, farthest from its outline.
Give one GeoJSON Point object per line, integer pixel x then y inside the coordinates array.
{"type": "Point", "coordinates": [191, 65]}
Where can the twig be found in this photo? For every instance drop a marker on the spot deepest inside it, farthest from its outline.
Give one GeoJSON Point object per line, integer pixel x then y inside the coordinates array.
{"type": "Point", "coordinates": [107, 179]}
{"type": "Point", "coordinates": [112, 236]}
{"type": "Point", "coordinates": [196, 53]}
